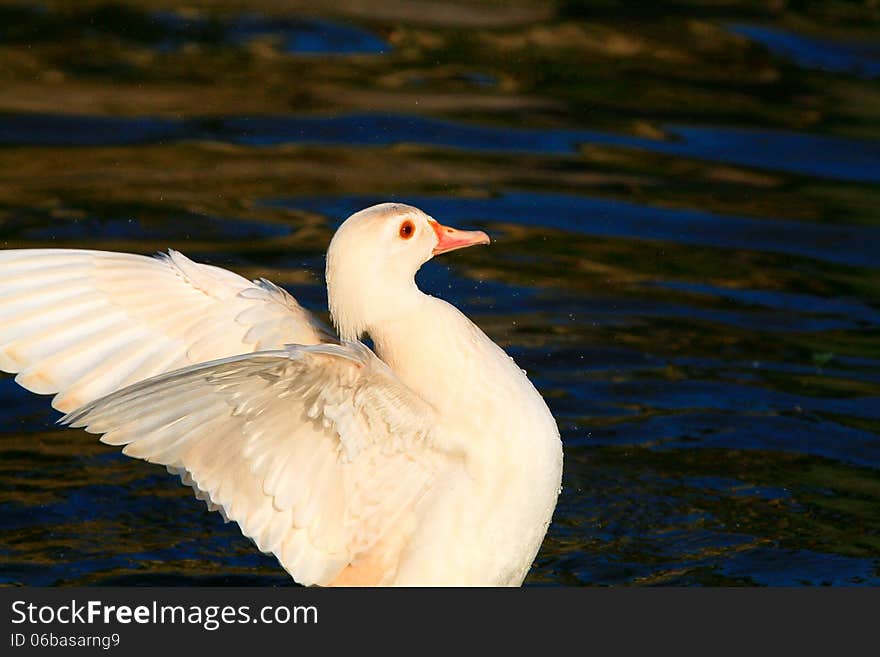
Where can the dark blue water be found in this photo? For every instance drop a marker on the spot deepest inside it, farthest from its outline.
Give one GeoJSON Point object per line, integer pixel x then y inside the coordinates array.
{"type": "Point", "coordinates": [842, 159]}
{"type": "Point", "coordinates": [685, 260]}
{"type": "Point", "coordinates": [304, 36]}
{"type": "Point", "coordinates": [853, 245]}
{"type": "Point", "coordinates": [861, 59]}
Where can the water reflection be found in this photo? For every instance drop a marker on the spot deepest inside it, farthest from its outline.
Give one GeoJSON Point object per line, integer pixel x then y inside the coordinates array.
{"type": "Point", "coordinates": [824, 54]}
{"type": "Point", "coordinates": [844, 159]}
{"type": "Point", "coordinates": [169, 31]}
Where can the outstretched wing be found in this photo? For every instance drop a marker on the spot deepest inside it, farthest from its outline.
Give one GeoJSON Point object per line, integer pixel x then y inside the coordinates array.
{"type": "Point", "coordinates": [319, 453]}
{"type": "Point", "coordinates": [85, 323]}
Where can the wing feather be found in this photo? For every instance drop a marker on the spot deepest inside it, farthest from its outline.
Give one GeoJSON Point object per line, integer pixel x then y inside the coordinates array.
{"type": "Point", "coordinates": [80, 324]}
{"type": "Point", "coordinates": [318, 452]}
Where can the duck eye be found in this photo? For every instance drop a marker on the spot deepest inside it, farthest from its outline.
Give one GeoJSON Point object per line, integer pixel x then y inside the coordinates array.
{"type": "Point", "coordinates": [407, 230]}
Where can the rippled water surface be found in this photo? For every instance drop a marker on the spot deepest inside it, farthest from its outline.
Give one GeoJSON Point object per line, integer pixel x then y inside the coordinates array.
{"type": "Point", "coordinates": [685, 207]}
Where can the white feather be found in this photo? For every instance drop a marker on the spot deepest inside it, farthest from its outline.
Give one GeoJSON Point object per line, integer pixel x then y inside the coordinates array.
{"type": "Point", "coordinates": [67, 317]}
{"type": "Point", "coordinates": [222, 425]}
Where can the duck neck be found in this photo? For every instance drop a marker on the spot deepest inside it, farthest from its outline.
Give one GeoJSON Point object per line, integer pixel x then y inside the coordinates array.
{"type": "Point", "coordinates": [358, 307]}
{"type": "Point", "coordinates": [433, 349]}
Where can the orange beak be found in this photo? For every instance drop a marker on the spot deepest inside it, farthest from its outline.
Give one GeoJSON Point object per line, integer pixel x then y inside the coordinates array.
{"type": "Point", "coordinates": [450, 239]}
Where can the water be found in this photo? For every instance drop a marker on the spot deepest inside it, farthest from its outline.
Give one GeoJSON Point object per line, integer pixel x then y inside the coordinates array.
{"type": "Point", "coordinates": [860, 59]}
{"type": "Point", "coordinates": [844, 159]}
{"type": "Point", "coordinates": [685, 258]}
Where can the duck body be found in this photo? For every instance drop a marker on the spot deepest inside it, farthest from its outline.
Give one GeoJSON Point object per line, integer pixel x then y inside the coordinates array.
{"type": "Point", "coordinates": [504, 456]}
{"type": "Point", "coordinates": [433, 461]}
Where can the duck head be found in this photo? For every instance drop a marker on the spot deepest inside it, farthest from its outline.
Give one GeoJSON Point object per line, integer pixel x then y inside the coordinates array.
{"type": "Point", "coordinates": [373, 259]}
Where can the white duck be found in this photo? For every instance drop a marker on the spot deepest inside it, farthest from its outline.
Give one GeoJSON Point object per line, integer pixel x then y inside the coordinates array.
{"type": "Point", "coordinates": [435, 463]}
